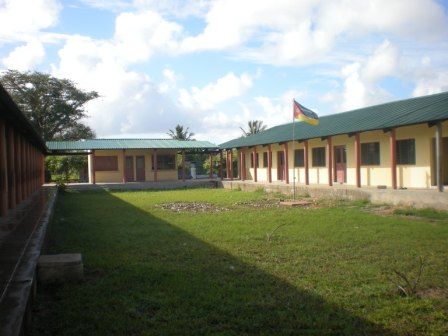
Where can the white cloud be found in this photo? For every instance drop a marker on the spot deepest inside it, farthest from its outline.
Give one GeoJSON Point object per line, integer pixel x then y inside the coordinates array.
{"type": "Point", "coordinates": [436, 84]}
{"type": "Point", "coordinates": [113, 5]}
{"type": "Point", "coordinates": [338, 34]}
{"type": "Point", "coordinates": [361, 79]}
{"type": "Point", "coordinates": [175, 8]}
{"type": "Point", "coordinates": [428, 79]}
{"type": "Point", "coordinates": [355, 91]}
{"type": "Point", "coordinates": [139, 35]}
{"type": "Point", "coordinates": [21, 20]}
{"type": "Point", "coordinates": [170, 81]}
{"type": "Point", "coordinates": [384, 62]}
{"type": "Point", "coordinates": [277, 110]}
{"type": "Point", "coordinates": [287, 32]}
{"type": "Point", "coordinates": [129, 101]}
{"type": "Point", "coordinates": [25, 57]}
{"type": "Point", "coordinates": [22, 23]}
{"type": "Point", "coordinates": [225, 88]}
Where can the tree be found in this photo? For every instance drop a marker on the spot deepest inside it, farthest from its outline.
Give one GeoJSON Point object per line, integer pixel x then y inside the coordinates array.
{"type": "Point", "coordinates": [254, 127]}
{"type": "Point", "coordinates": [54, 106]}
{"type": "Point", "coordinates": [181, 133]}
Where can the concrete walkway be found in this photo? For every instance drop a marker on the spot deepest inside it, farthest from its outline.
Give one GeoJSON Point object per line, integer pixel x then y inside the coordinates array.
{"type": "Point", "coordinates": [160, 185]}
{"type": "Point", "coordinates": [419, 198]}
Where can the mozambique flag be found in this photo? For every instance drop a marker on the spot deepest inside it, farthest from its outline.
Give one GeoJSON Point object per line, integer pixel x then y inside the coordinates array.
{"type": "Point", "coordinates": [304, 114]}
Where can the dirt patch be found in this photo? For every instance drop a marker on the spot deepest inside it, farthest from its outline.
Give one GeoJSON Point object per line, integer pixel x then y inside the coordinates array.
{"type": "Point", "coordinates": [266, 203]}
{"type": "Point", "coordinates": [192, 207]}
{"type": "Point", "coordinates": [274, 203]}
{"type": "Point", "coordinates": [433, 293]}
{"type": "Point", "coordinates": [383, 210]}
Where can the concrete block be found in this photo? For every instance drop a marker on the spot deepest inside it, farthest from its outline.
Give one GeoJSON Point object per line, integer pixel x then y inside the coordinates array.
{"type": "Point", "coordinates": [60, 268]}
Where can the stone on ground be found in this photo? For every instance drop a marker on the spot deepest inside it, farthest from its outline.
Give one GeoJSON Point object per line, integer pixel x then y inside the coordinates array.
{"type": "Point", "coordinates": [60, 268]}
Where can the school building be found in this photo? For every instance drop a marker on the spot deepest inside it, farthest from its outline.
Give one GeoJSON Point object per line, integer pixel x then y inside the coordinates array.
{"type": "Point", "coordinates": [402, 144]}
{"type": "Point", "coordinates": [133, 160]}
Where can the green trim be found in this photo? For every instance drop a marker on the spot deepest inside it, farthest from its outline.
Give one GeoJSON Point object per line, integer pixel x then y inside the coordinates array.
{"type": "Point", "coordinates": [110, 144]}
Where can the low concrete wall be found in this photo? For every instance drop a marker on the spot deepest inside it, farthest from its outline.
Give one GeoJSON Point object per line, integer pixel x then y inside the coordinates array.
{"type": "Point", "coordinates": [412, 197]}
{"type": "Point", "coordinates": [19, 293]}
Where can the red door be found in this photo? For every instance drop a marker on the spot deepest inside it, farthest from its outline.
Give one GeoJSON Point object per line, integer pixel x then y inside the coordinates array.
{"type": "Point", "coordinates": [129, 171]}
{"type": "Point", "coordinates": [140, 167]}
{"type": "Point", "coordinates": [280, 166]}
{"type": "Point", "coordinates": [340, 164]}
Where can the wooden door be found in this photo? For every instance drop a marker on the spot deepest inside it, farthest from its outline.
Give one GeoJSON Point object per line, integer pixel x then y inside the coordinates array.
{"type": "Point", "coordinates": [129, 171]}
{"type": "Point", "coordinates": [280, 165]}
{"type": "Point", "coordinates": [340, 164]}
{"type": "Point", "coordinates": [140, 168]}
{"type": "Point", "coordinates": [444, 161]}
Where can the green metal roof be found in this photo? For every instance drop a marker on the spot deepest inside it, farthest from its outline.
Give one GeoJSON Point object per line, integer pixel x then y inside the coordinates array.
{"type": "Point", "coordinates": [394, 114]}
{"type": "Point", "coordinates": [97, 144]}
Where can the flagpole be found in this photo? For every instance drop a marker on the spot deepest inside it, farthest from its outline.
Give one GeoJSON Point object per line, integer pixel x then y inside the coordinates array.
{"type": "Point", "coordinates": [293, 151]}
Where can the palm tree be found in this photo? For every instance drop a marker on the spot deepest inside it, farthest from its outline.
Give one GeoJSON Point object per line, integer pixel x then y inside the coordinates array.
{"type": "Point", "coordinates": [254, 127]}
{"type": "Point", "coordinates": [181, 133]}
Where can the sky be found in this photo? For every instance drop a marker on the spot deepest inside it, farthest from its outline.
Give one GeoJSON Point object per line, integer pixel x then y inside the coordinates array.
{"type": "Point", "coordinates": [213, 65]}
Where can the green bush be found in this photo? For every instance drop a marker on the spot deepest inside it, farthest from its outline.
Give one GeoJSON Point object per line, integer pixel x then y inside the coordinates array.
{"type": "Point", "coordinates": [61, 183]}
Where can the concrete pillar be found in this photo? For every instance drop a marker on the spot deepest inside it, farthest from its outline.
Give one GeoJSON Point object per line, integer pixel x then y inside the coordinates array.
{"type": "Point", "coordinates": [18, 166]}
{"type": "Point", "coordinates": [90, 168]}
{"type": "Point", "coordinates": [33, 168]}
{"type": "Point", "coordinates": [330, 161]}
{"type": "Point", "coordinates": [306, 162]}
{"type": "Point", "coordinates": [3, 171]}
{"type": "Point", "coordinates": [221, 173]}
{"type": "Point", "coordinates": [123, 166]}
{"type": "Point", "coordinates": [230, 165]}
{"type": "Point", "coordinates": [393, 158]}
{"type": "Point", "coordinates": [243, 165]}
{"type": "Point", "coordinates": [240, 160]}
{"type": "Point", "coordinates": [28, 154]}
{"type": "Point", "coordinates": [269, 163]}
{"type": "Point", "coordinates": [227, 164]}
{"type": "Point", "coordinates": [183, 165]}
{"type": "Point", "coordinates": [255, 163]}
{"type": "Point", "coordinates": [26, 171]}
{"type": "Point", "coordinates": [211, 166]}
{"type": "Point", "coordinates": [42, 167]}
{"type": "Point", "coordinates": [285, 149]}
{"type": "Point", "coordinates": [11, 169]}
{"type": "Point", "coordinates": [23, 166]}
{"type": "Point", "coordinates": [439, 176]}
{"type": "Point", "coordinates": [358, 159]}
{"type": "Point", "coordinates": [93, 168]}
{"type": "Point", "coordinates": [155, 164]}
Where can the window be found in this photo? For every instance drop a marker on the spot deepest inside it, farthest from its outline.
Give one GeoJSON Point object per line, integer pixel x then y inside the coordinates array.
{"type": "Point", "coordinates": [319, 157]}
{"type": "Point", "coordinates": [405, 151]}
{"type": "Point", "coordinates": [164, 162]}
{"type": "Point", "coordinates": [370, 153]}
{"type": "Point", "coordinates": [265, 159]}
{"type": "Point", "coordinates": [106, 163]}
{"type": "Point", "coordinates": [299, 158]}
{"type": "Point", "coordinates": [252, 160]}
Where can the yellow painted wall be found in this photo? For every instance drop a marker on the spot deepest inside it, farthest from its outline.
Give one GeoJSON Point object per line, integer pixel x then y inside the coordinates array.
{"type": "Point", "coordinates": [408, 176]}
{"type": "Point", "coordinates": [117, 176]}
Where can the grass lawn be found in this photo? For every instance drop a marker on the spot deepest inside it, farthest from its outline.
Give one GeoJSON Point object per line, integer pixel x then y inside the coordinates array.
{"type": "Point", "coordinates": [154, 271]}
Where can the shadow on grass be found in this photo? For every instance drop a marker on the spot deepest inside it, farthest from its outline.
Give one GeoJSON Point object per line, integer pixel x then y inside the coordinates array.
{"type": "Point", "coordinates": [148, 277]}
